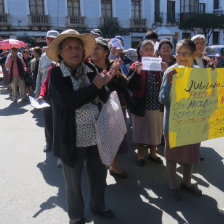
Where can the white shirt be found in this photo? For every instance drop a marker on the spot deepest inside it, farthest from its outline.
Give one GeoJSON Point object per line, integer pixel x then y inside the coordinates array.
{"type": "Point", "coordinates": [44, 65]}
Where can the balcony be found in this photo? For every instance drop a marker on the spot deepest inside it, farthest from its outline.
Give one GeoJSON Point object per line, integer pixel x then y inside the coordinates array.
{"type": "Point", "coordinates": [172, 18]}
{"type": "Point", "coordinates": [76, 21]}
{"type": "Point", "coordinates": [138, 24]}
{"type": "Point", "coordinates": [186, 15]}
{"type": "Point", "coordinates": [4, 20]}
{"type": "Point", "coordinates": [108, 20]}
{"type": "Point", "coordinates": [158, 17]}
{"type": "Point", "coordinates": [218, 12]}
{"type": "Point", "coordinates": [39, 20]}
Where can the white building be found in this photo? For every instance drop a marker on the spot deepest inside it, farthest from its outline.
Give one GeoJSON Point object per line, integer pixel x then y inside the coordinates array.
{"type": "Point", "coordinates": [35, 17]}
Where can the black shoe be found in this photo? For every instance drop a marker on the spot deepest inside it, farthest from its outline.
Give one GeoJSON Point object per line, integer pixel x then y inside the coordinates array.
{"type": "Point", "coordinates": [202, 159]}
{"type": "Point", "coordinates": [47, 148]}
{"type": "Point", "coordinates": [81, 221]}
{"type": "Point", "coordinates": [108, 213]}
{"type": "Point", "coordinates": [118, 175]}
{"type": "Point", "coordinates": [156, 159]}
{"type": "Point", "coordinates": [140, 162]}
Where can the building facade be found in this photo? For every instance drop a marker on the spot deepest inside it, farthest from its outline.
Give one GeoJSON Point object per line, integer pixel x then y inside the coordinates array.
{"type": "Point", "coordinates": [35, 17]}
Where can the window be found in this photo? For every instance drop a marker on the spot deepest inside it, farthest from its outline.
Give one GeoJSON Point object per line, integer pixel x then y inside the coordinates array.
{"type": "Point", "coordinates": [158, 15]}
{"type": "Point", "coordinates": [74, 7]}
{"type": "Point", "coordinates": [171, 11]}
{"type": "Point", "coordinates": [2, 8]}
{"type": "Point", "coordinates": [157, 6]}
{"type": "Point", "coordinates": [106, 8]}
{"type": "Point", "coordinates": [215, 38]}
{"type": "Point", "coordinates": [189, 6]}
{"type": "Point", "coordinates": [36, 7]}
{"type": "Point", "coordinates": [136, 8]}
{"type": "Point", "coordinates": [216, 4]}
{"type": "Point", "coordinates": [201, 7]}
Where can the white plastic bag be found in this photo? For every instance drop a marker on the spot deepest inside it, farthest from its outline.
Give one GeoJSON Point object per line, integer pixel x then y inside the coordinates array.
{"type": "Point", "coordinates": [110, 129]}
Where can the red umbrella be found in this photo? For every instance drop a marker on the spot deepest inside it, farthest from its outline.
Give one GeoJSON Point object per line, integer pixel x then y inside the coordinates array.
{"type": "Point", "coordinates": [12, 43]}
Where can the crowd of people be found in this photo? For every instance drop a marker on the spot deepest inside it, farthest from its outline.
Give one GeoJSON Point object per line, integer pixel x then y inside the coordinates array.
{"type": "Point", "coordinates": [75, 73]}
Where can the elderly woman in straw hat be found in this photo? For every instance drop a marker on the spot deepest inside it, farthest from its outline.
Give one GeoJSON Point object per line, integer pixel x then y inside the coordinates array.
{"type": "Point", "coordinates": [75, 90]}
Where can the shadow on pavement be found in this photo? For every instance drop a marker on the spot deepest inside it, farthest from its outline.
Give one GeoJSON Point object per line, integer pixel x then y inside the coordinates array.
{"type": "Point", "coordinates": [142, 198]}
{"type": "Point", "coordinates": [3, 89]}
{"type": "Point", "coordinates": [14, 109]}
{"type": "Point", "coordinates": [38, 117]}
{"type": "Point", "coordinates": [210, 168]}
{"type": "Point", "coordinates": [53, 176]}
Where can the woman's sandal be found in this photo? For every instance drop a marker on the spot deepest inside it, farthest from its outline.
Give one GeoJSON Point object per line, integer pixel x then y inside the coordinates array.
{"type": "Point", "coordinates": [156, 159]}
{"type": "Point", "coordinates": [81, 221]}
{"type": "Point", "coordinates": [192, 189]}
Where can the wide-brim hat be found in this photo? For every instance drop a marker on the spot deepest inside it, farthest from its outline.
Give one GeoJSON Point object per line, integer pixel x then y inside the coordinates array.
{"type": "Point", "coordinates": [88, 40]}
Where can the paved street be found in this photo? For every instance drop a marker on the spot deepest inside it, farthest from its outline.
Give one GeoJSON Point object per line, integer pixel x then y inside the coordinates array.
{"type": "Point", "coordinates": [32, 188]}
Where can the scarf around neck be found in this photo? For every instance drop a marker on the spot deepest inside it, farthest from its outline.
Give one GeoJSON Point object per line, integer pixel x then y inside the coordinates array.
{"type": "Point", "coordinates": [78, 77]}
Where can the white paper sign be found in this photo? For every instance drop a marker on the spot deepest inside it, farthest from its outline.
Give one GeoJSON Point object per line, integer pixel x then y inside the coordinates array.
{"type": "Point", "coordinates": [151, 64]}
{"type": "Point", "coordinates": [35, 103]}
{"type": "Point", "coordinates": [116, 43]}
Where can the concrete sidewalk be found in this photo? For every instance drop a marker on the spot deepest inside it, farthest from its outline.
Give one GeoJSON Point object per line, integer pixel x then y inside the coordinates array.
{"type": "Point", "coordinates": [32, 187]}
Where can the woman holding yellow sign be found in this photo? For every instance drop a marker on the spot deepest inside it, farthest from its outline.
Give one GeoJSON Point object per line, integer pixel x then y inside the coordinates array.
{"type": "Point", "coordinates": [189, 154]}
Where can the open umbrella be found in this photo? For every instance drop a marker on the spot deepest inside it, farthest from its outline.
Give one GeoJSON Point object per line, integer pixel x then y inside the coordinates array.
{"type": "Point", "coordinates": [12, 43]}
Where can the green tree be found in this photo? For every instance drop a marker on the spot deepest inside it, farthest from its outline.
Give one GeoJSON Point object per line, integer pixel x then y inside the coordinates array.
{"type": "Point", "coordinates": [31, 41]}
{"type": "Point", "coordinates": [204, 23]}
{"type": "Point", "coordinates": [110, 27]}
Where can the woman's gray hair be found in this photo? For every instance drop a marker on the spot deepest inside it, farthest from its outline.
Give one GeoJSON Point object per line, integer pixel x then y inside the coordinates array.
{"type": "Point", "coordinates": [198, 37]}
{"type": "Point", "coordinates": [145, 42]}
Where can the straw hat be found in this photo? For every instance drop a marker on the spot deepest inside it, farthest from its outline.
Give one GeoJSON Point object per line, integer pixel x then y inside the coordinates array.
{"type": "Point", "coordinates": [87, 39]}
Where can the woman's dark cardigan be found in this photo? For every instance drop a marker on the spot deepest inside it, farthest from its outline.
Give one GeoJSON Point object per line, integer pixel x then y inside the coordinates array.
{"type": "Point", "coordinates": [137, 84]}
{"type": "Point", "coordinates": [64, 101]}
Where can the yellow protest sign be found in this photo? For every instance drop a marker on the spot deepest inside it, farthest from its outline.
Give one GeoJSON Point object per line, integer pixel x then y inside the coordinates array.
{"type": "Point", "coordinates": [197, 106]}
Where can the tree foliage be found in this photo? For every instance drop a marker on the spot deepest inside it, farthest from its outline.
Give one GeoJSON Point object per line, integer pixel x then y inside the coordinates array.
{"type": "Point", "coordinates": [31, 41]}
{"type": "Point", "coordinates": [110, 27]}
{"type": "Point", "coordinates": [205, 22]}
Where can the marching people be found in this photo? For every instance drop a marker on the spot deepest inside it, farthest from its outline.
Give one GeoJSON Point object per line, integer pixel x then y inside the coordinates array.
{"type": "Point", "coordinates": [74, 76]}
{"type": "Point", "coordinates": [201, 60]}
{"type": "Point", "coordinates": [119, 83]}
{"type": "Point", "coordinates": [27, 77]}
{"type": "Point", "coordinates": [96, 33]}
{"type": "Point", "coordinates": [165, 52]}
{"type": "Point", "coordinates": [34, 64]}
{"type": "Point", "coordinates": [17, 68]}
{"type": "Point", "coordinates": [75, 90]}
{"type": "Point", "coordinates": [4, 70]}
{"type": "Point", "coordinates": [147, 116]}
{"type": "Point", "coordinates": [43, 67]}
{"type": "Point", "coordinates": [153, 36]}
{"type": "Point", "coordinates": [189, 154]}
